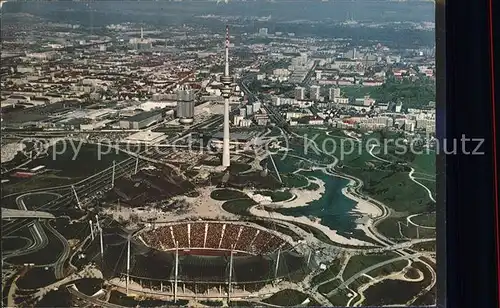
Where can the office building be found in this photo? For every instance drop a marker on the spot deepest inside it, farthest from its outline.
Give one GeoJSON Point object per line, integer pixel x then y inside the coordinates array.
{"type": "Point", "coordinates": [256, 107]}
{"type": "Point", "coordinates": [261, 119]}
{"type": "Point", "coordinates": [314, 93]}
{"type": "Point", "coordinates": [185, 111]}
{"type": "Point", "coordinates": [399, 107]}
{"type": "Point", "coordinates": [333, 93]}
{"type": "Point", "coordinates": [185, 105]}
{"type": "Point", "coordinates": [141, 120]}
{"type": "Point", "coordinates": [249, 110]}
{"type": "Point", "coordinates": [300, 93]}
{"type": "Point", "coordinates": [186, 94]}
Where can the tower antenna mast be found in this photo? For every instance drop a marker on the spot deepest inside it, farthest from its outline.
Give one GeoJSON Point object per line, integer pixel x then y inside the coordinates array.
{"type": "Point", "coordinates": [226, 71]}
{"type": "Point", "coordinates": [226, 93]}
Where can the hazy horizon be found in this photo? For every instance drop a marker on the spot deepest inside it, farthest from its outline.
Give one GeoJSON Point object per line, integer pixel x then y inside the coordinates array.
{"type": "Point", "coordinates": [280, 10]}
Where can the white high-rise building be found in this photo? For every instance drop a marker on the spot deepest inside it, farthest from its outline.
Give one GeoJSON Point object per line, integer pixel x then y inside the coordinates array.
{"type": "Point", "coordinates": [314, 93]}
{"type": "Point", "coordinates": [185, 112]}
{"type": "Point", "coordinates": [333, 93]}
{"type": "Point", "coordinates": [399, 107]}
{"type": "Point", "coordinates": [249, 110]}
{"type": "Point", "coordinates": [256, 106]}
{"type": "Point", "coordinates": [300, 93]}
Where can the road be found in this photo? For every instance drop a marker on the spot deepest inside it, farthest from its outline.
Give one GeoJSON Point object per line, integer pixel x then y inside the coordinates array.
{"type": "Point", "coordinates": [81, 246]}
{"type": "Point", "coordinates": [41, 239]}
{"type": "Point", "coordinates": [395, 247]}
{"type": "Point", "coordinates": [36, 230]}
{"type": "Point", "coordinates": [272, 112]}
{"type": "Point", "coordinates": [90, 299]}
{"type": "Point", "coordinates": [307, 79]}
{"type": "Point", "coordinates": [29, 243]}
{"type": "Point", "coordinates": [400, 248]}
{"type": "Point", "coordinates": [59, 263]}
{"type": "Point", "coordinates": [11, 213]}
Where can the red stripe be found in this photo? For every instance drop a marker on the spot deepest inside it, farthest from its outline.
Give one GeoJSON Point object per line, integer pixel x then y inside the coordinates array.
{"type": "Point", "coordinates": [495, 164]}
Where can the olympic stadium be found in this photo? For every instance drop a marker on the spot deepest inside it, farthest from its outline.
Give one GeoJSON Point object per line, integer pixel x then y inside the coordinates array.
{"type": "Point", "coordinates": [201, 259]}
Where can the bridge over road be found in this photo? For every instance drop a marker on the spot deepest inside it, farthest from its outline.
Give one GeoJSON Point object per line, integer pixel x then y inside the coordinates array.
{"type": "Point", "coordinates": [12, 214]}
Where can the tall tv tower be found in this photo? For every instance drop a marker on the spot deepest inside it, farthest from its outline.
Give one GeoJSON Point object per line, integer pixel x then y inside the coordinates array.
{"type": "Point", "coordinates": [226, 93]}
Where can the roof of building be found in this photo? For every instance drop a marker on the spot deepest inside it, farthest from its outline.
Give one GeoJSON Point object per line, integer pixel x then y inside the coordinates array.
{"type": "Point", "coordinates": [143, 116]}
{"type": "Point", "coordinates": [146, 136]}
{"type": "Point", "coordinates": [235, 136]}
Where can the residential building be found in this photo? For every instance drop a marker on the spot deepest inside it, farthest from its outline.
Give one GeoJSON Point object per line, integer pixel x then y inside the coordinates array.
{"type": "Point", "coordinates": [300, 93]}
{"type": "Point", "coordinates": [333, 93]}
{"type": "Point", "coordinates": [314, 93]}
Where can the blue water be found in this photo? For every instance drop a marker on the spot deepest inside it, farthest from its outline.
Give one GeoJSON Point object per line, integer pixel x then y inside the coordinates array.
{"type": "Point", "coordinates": [333, 208]}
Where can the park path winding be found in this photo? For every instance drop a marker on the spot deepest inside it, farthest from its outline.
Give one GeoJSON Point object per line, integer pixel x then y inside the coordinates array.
{"type": "Point", "coordinates": [410, 175]}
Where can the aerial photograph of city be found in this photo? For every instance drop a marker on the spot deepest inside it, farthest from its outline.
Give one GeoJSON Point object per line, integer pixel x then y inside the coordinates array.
{"type": "Point", "coordinates": [218, 153]}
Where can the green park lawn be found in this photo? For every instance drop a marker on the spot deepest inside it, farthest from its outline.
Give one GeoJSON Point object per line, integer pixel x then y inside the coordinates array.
{"type": "Point", "coordinates": [239, 206]}
{"type": "Point", "coordinates": [427, 219]}
{"type": "Point", "coordinates": [227, 194]}
{"type": "Point", "coordinates": [359, 262]}
{"type": "Point", "coordinates": [276, 196]}
{"type": "Point", "coordinates": [329, 273]}
{"type": "Point", "coordinates": [288, 297]}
